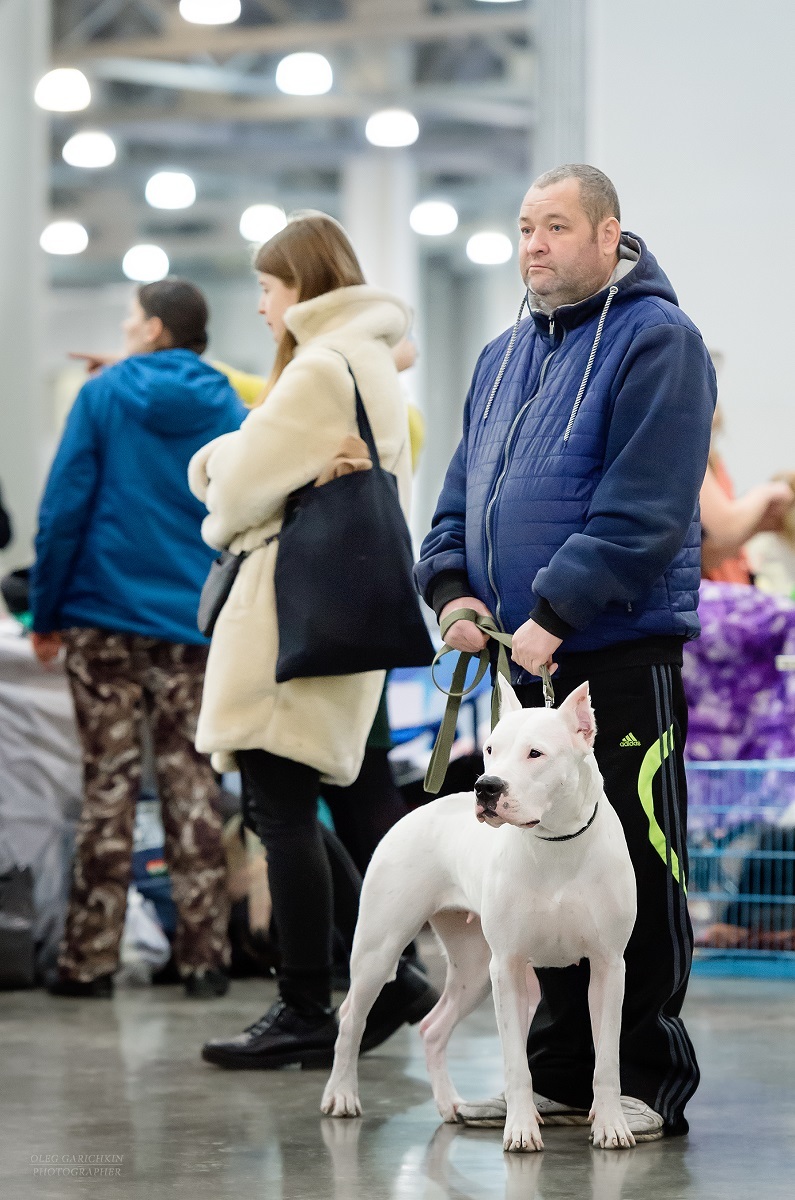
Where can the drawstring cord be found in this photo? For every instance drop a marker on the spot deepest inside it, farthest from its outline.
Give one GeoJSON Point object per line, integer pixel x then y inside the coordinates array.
{"type": "Point", "coordinates": [583, 385]}
{"type": "Point", "coordinates": [507, 356]}
{"type": "Point", "coordinates": [594, 348]}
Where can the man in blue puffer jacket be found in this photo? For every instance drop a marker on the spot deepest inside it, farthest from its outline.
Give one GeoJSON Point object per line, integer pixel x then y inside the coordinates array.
{"type": "Point", "coordinates": [120, 563]}
{"type": "Point", "coordinates": [570, 514]}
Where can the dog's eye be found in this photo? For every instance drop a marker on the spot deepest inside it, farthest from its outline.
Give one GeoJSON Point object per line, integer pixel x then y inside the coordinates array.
{"type": "Point", "coordinates": [488, 750]}
{"type": "Point", "coordinates": [534, 754]}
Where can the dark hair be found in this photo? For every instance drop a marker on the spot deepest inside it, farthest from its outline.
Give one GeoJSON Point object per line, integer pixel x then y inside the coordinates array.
{"type": "Point", "coordinates": [182, 309]}
{"type": "Point", "coordinates": [597, 194]}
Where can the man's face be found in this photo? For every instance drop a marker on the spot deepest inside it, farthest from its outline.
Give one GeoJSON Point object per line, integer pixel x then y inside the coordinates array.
{"type": "Point", "coordinates": [561, 257]}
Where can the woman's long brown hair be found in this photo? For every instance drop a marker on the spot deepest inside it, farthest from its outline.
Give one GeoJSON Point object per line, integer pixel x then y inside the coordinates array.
{"type": "Point", "coordinates": [312, 253]}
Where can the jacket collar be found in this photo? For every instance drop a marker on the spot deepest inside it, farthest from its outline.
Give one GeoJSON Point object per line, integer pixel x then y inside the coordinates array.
{"type": "Point", "coordinates": [632, 254]}
{"type": "Point", "coordinates": [361, 310]}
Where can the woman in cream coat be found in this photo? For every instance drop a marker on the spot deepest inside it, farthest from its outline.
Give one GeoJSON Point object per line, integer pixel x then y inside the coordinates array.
{"type": "Point", "coordinates": [287, 738]}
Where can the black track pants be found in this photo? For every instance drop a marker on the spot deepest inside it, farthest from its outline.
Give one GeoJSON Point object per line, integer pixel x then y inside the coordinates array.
{"type": "Point", "coordinates": [641, 720]}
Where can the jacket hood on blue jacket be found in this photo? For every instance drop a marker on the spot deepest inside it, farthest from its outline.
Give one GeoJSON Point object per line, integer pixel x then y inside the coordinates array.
{"type": "Point", "coordinates": [119, 544]}
{"type": "Point", "coordinates": [173, 392]}
{"type": "Point", "coordinates": [638, 274]}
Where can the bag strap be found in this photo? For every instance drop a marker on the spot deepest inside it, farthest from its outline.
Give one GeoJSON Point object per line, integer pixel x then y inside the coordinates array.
{"type": "Point", "coordinates": [440, 755]}
{"type": "Point", "coordinates": [362, 419]}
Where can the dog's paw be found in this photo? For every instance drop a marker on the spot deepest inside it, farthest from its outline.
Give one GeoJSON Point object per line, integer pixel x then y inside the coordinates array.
{"type": "Point", "coordinates": [341, 1103]}
{"type": "Point", "coordinates": [522, 1137]}
{"type": "Point", "coordinates": [610, 1131]}
{"type": "Point", "coordinates": [448, 1111]}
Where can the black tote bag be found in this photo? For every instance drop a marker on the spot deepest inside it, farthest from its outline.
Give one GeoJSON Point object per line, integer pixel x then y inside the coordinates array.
{"type": "Point", "coordinates": [345, 598]}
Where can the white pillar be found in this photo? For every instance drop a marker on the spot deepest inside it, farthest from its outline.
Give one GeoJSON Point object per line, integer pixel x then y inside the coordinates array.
{"type": "Point", "coordinates": [560, 38]}
{"type": "Point", "coordinates": [24, 37]}
{"type": "Point", "coordinates": [378, 194]}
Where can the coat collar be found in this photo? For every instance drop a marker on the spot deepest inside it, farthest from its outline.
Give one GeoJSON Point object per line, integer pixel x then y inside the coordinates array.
{"type": "Point", "coordinates": [361, 310]}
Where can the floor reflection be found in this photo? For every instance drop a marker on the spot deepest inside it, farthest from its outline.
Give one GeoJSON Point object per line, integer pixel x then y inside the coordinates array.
{"type": "Point", "coordinates": [125, 1078]}
{"type": "Point", "coordinates": [462, 1164]}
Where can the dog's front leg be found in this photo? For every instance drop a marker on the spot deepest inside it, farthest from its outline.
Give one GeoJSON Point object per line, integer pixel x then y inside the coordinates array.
{"type": "Point", "coordinates": [341, 1095]}
{"type": "Point", "coordinates": [610, 1130]}
{"type": "Point", "coordinates": [509, 985]}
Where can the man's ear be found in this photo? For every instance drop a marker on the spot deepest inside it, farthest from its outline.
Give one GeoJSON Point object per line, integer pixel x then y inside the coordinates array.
{"type": "Point", "coordinates": [509, 702]}
{"type": "Point", "coordinates": [577, 710]}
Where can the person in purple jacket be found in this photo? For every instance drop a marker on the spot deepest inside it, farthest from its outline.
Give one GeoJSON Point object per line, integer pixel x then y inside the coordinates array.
{"type": "Point", "coordinates": [569, 513]}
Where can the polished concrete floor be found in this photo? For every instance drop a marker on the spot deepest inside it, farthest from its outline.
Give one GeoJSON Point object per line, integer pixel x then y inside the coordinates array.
{"type": "Point", "coordinates": [118, 1087]}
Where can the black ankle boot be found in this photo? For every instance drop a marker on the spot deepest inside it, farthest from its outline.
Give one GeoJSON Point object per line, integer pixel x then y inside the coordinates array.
{"type": "Point", "coordinates": [406, 1000]}
{"type": "Point", "coordinates": [100, 988]}
{"type": "Point", "coordinates": [283, 1037]}
{"type": "Point", "coordinates": [206, 984]}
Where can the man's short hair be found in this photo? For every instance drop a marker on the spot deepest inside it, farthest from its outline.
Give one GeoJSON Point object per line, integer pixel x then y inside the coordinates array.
{"type": "Point", "coordinates": [598, 197]}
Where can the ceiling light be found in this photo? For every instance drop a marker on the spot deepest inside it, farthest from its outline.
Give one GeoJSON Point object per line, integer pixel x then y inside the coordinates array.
{"type": "Point", "coordinates": [63, 90]}
{"type": "Point", "coordinates": [145, 264]}
{"type": "Point", "coordinates": [64, 237]}
{"type": "Point", "coordinates": [170, 189]}
{"type": "Point", "coordinates": [392, 127]}
{"type": "Point", "coordinates": [89, 150]}
{"type": "Point", "coordinates": [261, 221]}
{"type": "Point", "coordinates": [304, 75]}
{"type": "Point", "coordinates": [433, 218]}
{"type": "Point", "coordinates": [209, 12]}
{"type": "Point", "coordinates": [488, 249]}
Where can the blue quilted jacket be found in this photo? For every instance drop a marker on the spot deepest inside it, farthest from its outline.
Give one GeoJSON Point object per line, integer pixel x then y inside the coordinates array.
{"type": "Point", "coordinates": [573, 495]}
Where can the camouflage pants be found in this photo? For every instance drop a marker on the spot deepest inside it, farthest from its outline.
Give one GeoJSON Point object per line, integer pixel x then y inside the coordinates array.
{"type": "Point", "coordinates": [118, 681]}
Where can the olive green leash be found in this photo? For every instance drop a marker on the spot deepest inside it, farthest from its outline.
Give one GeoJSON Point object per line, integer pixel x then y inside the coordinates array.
{"type": "Point", "coordinates": [440, 755]}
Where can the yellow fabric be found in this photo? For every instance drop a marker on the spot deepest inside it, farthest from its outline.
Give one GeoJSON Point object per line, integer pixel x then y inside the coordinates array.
{"type": "Point", "coordinates": [416, 434]}
{"type": "Point", "coordinates": [248, 387]}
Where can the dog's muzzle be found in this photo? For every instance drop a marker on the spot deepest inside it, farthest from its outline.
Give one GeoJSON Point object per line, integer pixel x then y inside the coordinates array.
{"type": "Point", "coordinates": [488, 789]}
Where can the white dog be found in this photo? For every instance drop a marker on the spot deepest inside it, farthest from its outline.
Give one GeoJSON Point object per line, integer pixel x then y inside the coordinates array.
{"type": "Point", "coordinates": [545, 868]}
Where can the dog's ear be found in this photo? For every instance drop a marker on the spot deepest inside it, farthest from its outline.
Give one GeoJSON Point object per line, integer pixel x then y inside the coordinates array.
{"type": "Point", "coordinates": [577, 710]}
{"type": "Point", "coordinates": [509, 701]}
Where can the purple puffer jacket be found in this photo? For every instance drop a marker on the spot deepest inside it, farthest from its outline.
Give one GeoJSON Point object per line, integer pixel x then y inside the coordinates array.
{"type": "Point", "coordinates": [740, 705]}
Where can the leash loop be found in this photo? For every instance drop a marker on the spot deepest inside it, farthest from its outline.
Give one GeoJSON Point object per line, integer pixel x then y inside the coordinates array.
{"type": "Point", "coordinates": [440, 755]}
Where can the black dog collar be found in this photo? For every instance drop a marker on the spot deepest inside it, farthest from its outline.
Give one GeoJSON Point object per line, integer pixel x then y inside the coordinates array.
{"type": "Point", "coordinates": [567, 837]}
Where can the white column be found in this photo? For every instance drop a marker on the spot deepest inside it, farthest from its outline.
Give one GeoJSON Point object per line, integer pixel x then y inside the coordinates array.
{"type": "Point", "coordinates": [560, 38]}
{"type": "Point", "coordinates": [24, 34]}
{"type": "Point", "coordinates": [378, 194]}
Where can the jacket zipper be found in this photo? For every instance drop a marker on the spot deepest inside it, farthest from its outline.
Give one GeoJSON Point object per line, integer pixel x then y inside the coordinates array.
{"type": "Point", "coordinates": [506, 459]}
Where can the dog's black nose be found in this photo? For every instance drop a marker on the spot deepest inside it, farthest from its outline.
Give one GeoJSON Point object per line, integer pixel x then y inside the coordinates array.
{"type": "Point", "coordinates": [488, 788]}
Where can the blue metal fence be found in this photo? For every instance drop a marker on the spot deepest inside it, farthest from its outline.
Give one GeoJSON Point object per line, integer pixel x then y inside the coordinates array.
{"type": "Point", "coordinates": [741, 841]}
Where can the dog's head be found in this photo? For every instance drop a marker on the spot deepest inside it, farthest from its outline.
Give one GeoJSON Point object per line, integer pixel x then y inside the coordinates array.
{"type": "Point", "coordinates": [533, 759]}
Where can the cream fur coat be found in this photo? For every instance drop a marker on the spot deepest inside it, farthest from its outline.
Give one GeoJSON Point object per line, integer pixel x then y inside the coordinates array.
{"type": "Point", "coordinates": [244, 478]}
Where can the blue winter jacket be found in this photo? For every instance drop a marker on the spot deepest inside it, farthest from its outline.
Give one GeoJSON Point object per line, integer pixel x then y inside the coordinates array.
{"type": "Point", "coordinates": [573, 495]}
{"type": "Point", "coordinates": [119, 544]}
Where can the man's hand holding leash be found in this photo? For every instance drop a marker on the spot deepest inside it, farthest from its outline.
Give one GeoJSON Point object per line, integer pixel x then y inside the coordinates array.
{"type": "Point", "coordinates": [533, 647]}
{"type": "Point", "coordinates": [465, 635]}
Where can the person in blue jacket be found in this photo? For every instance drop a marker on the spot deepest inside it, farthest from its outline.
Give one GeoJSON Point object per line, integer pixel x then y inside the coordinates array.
{"type": "Point", "coordinates": [569, 513]}
{"type": "Point", "coordinates": [120, 563]}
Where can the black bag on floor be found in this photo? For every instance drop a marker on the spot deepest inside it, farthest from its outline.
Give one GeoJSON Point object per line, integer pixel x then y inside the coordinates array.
{"type": "Point", "coordinates": [345, 597]}
{"type": "Point", "coordinates": [16, 929]}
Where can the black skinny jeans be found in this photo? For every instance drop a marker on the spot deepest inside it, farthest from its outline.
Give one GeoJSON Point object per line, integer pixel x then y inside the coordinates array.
{"type": "Point", "coordinates": [310, 894]}
{"type": "Point", "coordinates": [281, 797]}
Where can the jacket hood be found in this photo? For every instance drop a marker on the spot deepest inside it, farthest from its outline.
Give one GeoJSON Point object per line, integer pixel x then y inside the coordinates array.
{"type": "Point", "coordinates": [173, 392]}
{"type": "Point", "coordinates": [364, 311]}
{"type": "Point", "coordinates": [638, 274]}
